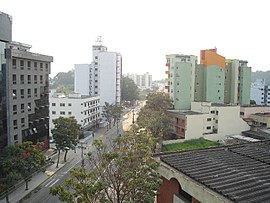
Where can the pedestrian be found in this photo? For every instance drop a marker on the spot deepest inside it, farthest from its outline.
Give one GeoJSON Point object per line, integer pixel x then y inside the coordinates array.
{"type": "Point", "coordinates": [93, 135]}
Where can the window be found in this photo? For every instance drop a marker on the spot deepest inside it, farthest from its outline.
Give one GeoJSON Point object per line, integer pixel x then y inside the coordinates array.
{"type": "Point", "coordinates": [41, 79]}
{"type": "Point", "coordinates": [22, 108]}
{"type": "Point", "coordinates": [22, 93]}
{"type": "Point", "coordinates": [216, 121]}
{"type": "Point", "coordinates": [29, 106]}
{"type": "Point", "coordinates": [62, 113]}
{"type": "Point", "coordinates": [242, 113]}
{"type": "Point", "coordinates": [22, 120]}
{"type": "Point", "coordinates": [209, 119]}
{"type": "Point", "coordinates": [29, 92]}
{"type": "Point", "coordinates": [62, 104]}
{"type": "Point", "coordinates": [14, 63]}
{"type": "Point", "coordinates": [41, 66]}
{"type": "Point", "coordinates": [69, 113]}
{"type": "Point", "coordinates": [69, 104]}
{"type": "Point", "coordinates": [35, 79]}
{"type": "Point", "coordinates": [96, 63]}
{"type": "Point", "coordinates": [22, 79]}
{"type": "Point", "coordinates": [29, 79]}
{"type": "Point", "coordinates": [35, 65]}
{"type": "Point", "coordinates": [35, 92]}
{"type": "Point", "coordinates": [53, 104]}
{"type": "Point", "coordinates": [22, 64]}
{"type": "Point", "coordinates": [14, 79]}
{"type": "Point", "coordinates": [15, 138]}
{"type": "Point", "coordinates": [216, 112]}
{"type": "Point", "coordinates": [53, 112]}
{"type": "Point", "coordinates": [14, 94]}
{"type": "Point", "coordinates": [14, 109]}
{"type": "Point", "coordinates": [96, 57]}
{"type": "Point", "coordinates": [208, 127]}
{"type": "Point", "coordinates": [15, 123]}
{"type": "Point", "coordinates": [29, 64]}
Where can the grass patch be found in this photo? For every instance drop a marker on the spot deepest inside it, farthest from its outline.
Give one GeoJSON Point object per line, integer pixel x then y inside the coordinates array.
{"type": "Point", "coordinates": [189, 144]}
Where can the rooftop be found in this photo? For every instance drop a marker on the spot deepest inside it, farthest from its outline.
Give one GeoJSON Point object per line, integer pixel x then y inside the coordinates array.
{"type": "Point", "coordinates": [183, 112]}
{"type": "Point", "coordinates": [257, 135]}
{"type": "Point", "coordinates": [240, 173]}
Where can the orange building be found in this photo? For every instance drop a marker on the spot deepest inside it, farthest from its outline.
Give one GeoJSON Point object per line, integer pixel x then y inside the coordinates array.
{"type": "Point", "coordinates": [210, 57]}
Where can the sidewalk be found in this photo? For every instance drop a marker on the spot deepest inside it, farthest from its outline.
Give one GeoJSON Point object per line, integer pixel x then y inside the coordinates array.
{"type": "Point", "coordinates": [19, 193]}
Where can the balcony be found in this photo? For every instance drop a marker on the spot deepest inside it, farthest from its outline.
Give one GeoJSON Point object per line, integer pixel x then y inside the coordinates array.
{"type": "Point", "coordinates": [167, 72]}
{"type": "Point", "coordinates": [167, 87]}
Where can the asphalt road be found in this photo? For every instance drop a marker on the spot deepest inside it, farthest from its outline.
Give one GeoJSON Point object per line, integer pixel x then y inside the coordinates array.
{"type": "Point", "coordinates": [41, 194]}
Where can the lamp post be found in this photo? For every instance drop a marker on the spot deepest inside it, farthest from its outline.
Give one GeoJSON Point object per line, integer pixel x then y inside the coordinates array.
{"type": "Point", "coordinates": [82, 148]}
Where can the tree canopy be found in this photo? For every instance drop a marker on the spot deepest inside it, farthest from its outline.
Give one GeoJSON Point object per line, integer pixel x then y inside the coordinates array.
{"type": "Point", "coordinates": [129, 90]}
{"type": "Point", "coordinates": [126, 173]}
{"type": "Point", "coordinates": [20, 161]}
{"type": "Point", "coordinates": [65, 133]}
{"type": "Point", "coordinates": [112, 111]}
{"type": "Point", "coordinates": [154, 115]}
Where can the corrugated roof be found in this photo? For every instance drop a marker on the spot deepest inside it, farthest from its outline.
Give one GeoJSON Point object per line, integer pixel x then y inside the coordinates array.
{"type": "Point", "coordinates": [240, 173]}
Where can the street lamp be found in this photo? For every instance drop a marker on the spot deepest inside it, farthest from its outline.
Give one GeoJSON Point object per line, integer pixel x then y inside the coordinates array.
{"type": "Point", "coordinates": [82, 148]}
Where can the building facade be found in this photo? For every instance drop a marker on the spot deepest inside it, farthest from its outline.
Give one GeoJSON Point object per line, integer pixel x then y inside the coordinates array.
{"type": "Point", "coordinates": [181, 79]}
{"type": "Point", "coordinates": [5, 37]}
{"type": "Point", "coordinates": [102, 77]}
{"type": "Point", "coordinates": [215, 79]}
{"type": "Point", "coordinates": [142, 81]}
{"type": "Point", "coordinates": [260, 92]}
{"type": "Point", "coordinates": [212, 121]}
{"type": "Point", "coordinates": [85, 109]}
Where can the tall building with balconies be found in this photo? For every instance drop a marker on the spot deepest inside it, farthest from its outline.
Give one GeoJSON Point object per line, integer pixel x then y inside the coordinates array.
{"type": "Point", "coordinates": [215, 79]}
{"type": "Point", "coordinates": [181, 79]}
{"type": "Point", "coordinates": [237, 82]}
{"type": "Point", "coordinates": [209, 77]}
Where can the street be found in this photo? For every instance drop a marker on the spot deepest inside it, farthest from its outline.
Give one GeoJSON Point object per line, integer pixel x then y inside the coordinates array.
{"type": "Point", "coordinates": [41, 194]}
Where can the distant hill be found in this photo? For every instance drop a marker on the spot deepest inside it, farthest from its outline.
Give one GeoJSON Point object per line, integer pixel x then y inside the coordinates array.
{"type": "Point", "coordinates": [261, 75]}
{"type": "Point", "coordinates": [63, 82]}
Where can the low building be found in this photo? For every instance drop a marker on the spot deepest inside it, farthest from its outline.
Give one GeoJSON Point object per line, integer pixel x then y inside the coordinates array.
{"type": "Point", "coordinates": [246, 111]}
{"type": "Point", "coordinates": [209, 120]}
{"type": "Point", "coordinates": [85, 109]}
{"type": "Point", "coordinates": [235, 173]}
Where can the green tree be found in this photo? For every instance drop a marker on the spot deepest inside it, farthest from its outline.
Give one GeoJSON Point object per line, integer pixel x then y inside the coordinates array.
{"type": "Point", "coordinates": [21, 161]}
{"type": "Point", "coordinates": [252, 102]}
{"type": "Point", "coordinates": [112, 112]}
{"type": "Point", "coordinates": [65, 133]}
{"type": "Point", "coordinates": [154, 115]}
{"type": "Point", "coordinates": [126, 173]}
{"type": "Point", "coordinates": [129, 90]}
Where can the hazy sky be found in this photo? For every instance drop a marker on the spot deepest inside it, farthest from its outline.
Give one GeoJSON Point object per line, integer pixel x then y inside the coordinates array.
{"type": "Point", "coordinates": [143, 31]}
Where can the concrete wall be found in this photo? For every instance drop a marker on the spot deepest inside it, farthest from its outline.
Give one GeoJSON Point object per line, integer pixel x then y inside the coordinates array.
{"type": "Point", "coordinates": [245, 85]}
{"type": "Point", "coordinates": [214, 84]}
{"type": "Point", "coordinates": [247, 111]}
{"type": "Point", "coordinates": [81, 79]}
{"type": "Point", "coordinates": [107, 83]}
{"type": "Point", "coordinates": [5, 27]}
{"type": "Point", "coordinates": [198, 191]}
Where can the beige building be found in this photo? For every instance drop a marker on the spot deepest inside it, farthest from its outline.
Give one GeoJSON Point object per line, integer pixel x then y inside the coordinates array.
{"type": "Point", "coordinates": [246, 111]}
{"type": "Point", "coordinates": [209, 120]}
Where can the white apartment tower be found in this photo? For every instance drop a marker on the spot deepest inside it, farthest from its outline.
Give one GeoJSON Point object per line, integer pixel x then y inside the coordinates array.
{"type": "Point", "coordinates": [102, 77]}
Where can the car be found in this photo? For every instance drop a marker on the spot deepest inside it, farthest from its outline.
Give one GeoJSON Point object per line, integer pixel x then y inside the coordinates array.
{"type": "Point", "coordinates": [51, 140]}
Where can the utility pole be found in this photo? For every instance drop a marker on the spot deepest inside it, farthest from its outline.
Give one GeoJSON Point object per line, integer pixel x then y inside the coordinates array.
{"type": "Point", "coordinates": [133, 121]}
{"type": "Point", "coordinates": [82, 148]}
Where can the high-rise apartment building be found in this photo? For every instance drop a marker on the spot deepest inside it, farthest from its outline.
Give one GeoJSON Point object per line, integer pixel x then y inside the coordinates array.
{"type": "Point", "coordinates": [260, 92]}
{"type": "Point", "coordinates": [237, 82]}
{"type": "Point", "coordinates": [215, 79]}
{"type": "Point", "coordinates": [143, 81]}
{"type": "Point", "coordinates": [24, 92]}
{"type": "Point", "coordinates": [180, 81]}
{"type": "Point", "coordinates": [102, 77]}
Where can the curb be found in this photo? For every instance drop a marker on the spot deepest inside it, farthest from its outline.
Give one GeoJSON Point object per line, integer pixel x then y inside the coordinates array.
{"type": "Point", "coordinates": [35, 189]}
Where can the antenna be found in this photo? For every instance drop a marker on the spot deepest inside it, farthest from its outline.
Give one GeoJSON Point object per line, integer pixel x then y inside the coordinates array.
{"type": "Point", "coordinates": [99, 40]}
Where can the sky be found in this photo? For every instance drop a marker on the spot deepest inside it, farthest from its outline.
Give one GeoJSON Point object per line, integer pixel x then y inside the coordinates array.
{"type": "Point", "coordinates": [143, 31]}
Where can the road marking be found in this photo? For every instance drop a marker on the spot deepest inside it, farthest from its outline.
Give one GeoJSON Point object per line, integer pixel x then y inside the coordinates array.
{"type": "Point", "coordinates": [49, 183]}
{"type": "Point", "coordinates": [54, 182]}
